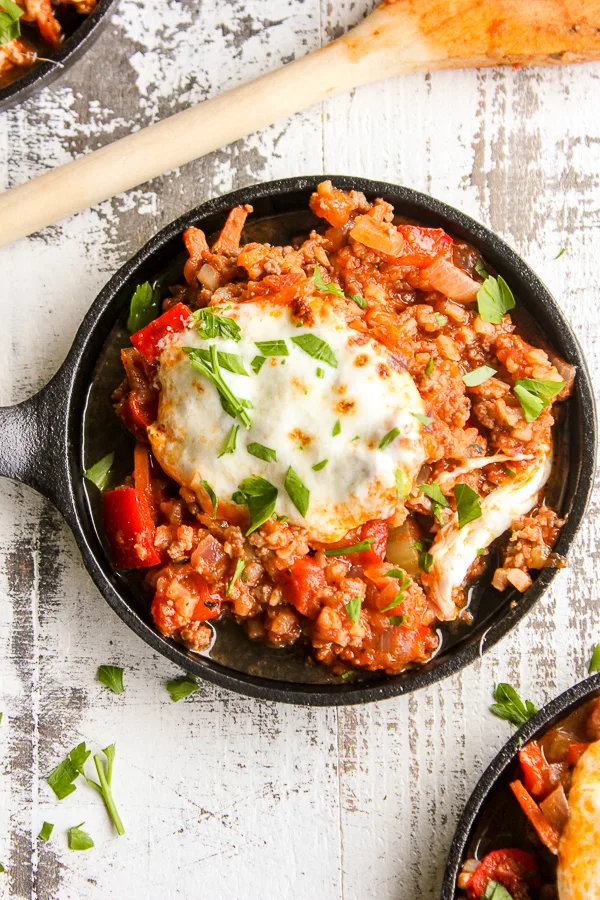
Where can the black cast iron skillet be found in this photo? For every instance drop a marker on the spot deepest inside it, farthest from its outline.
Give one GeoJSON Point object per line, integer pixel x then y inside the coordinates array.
{"type": "Point", "coordinates": [500, 771]}
{"type": "Point", "coordinates": [49, 440]}
{"type": "Point", "coordinates": [80, 33]}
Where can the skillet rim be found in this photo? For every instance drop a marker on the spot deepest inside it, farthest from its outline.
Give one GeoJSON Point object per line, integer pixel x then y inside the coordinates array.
{"type": "Point", "coordinates": [46, 73]}
{"type": "Point", "coordinates": [463, 654]}
{"type": "Point", "coordinates": [556, 709]}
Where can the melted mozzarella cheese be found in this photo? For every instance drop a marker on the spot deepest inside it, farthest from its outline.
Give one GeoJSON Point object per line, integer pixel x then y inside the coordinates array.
{"type": "Point", "coordinates": [454, 548]}
{"type": "Point", "coordinates": [578, 872]}
{"type": "Point", "coordinates": [294, 412]}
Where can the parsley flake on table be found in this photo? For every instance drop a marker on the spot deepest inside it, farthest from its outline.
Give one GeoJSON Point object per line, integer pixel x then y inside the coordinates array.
{"type": "Point", "coordinates": [535, 394]}
{"type": "Point", "coordinates": [494, 299]}
{"type": "Point", "coordinates": [46, 831]}
{"type": "Point", "coordinates": [297, 491]}
{"type": "Point", "coordinates": [260, 496]}
{"type": "Point", "coordinates": [143, 307]}
{"type": "Point", "coordinates": [230, 442]}
{"type": "Point", "coordinates": [468, 507]}
{"type": "Point", "coordinates": [99, 474]}
{"type": "Point", "coordinates": [387, 439]}
{"type": "Point", "coordinates": [111, 677]}
{"type": "Point", "coordinates": [595, 660]}
{"type": "Point", "coordinates": [478, 376]}
{"type": "Point", "coordinates": [509, 705]}
{"type": "Point", "coordinates": [62, 777]}
{"type": "Point", "coordinates": [353, 608]}
{"type": "Point", "coordinates": [78, 839]}
{"type": "Point", "coordinates": [180, 688]}
{"type": "Point", "coordinates": [317, 348]}
{"type": "Point", "coordinates": [561, 252]}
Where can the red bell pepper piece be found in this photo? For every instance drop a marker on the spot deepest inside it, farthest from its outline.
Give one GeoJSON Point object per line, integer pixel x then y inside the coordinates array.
{"type": "Point", "coordinates": [511, 868]}
{"type": "Point", "coordinates": [303, 584]}
{"type": "Point", "coordinates": [422, 246]}
{"type": "Point", "coordinates": [547, 834]}
{"type": "Point", "coordinates": [147, 339]}
{"type": "Point", "coordinates": [575, 752]}
{"type": "Point", "coordinates": [536, 771]}
{"type": "Point", "coordinates": [377, 531]}
{"type": "Point", "coordinates": [129, 528]}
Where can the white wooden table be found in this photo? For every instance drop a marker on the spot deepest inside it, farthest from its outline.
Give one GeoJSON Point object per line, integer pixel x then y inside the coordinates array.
{"type": "Point", "coordinates": [222, 796]}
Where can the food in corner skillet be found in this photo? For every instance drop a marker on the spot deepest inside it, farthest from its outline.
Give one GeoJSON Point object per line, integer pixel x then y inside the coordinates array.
{"type": "Point", "coordinates": [552, 821]}
{"type": "Point", "coordinates": [330, 436]}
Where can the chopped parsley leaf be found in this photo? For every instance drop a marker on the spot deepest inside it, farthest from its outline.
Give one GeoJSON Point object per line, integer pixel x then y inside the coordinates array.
{"type": "Point", "coordinates": [297, 491]}
{"type": "Point", "coordinates": [468, 507]}
{"type": "Point", "coordinates": [46, 831]}
{"type": "Point", "coordinates": [78, 839]}
{"type": "Point", "coordinates": [317, 348]}
{"type": "Point", "coordinates": [213, 498]}
{"type": "Point", "coordinates": [424, 420]}
{"type": "Point", "coordinates": [429, 367]}
{"type": "Point", "coordinates": [388, 438]}
{"type": "Point", "coordinates": [144, 305]}
{"type": "Point", "coordinates": [535, 395]}
{"type": "Point", "coordinates": [398, 620]}
{"type": "Point", "coordinates": [478, 376]}
{"type": "Point", "coordinates": [111, 677]}
{"type": "Point", "coordinates": [257, 363]}
{"type": "Point", "coordinates": [212, 325]}
{"type": "Point", "coordinates": [273, 348]}
{"type": "Point", "coordinates": [494, 299]}
{"type": "Point", "coordinates": [320, 465]}
{"type": "Point", "coordinates": [262, 452]}
{"type": "Point", "coordinates": [180, 688]}
{"type": "Point", "coordinates": [99, 473]}
{"type": "Point", "coordinates": [337, 428]}
{"type": "Point", "coordinates": [260, 496]}
{"type": "Point", "coordinates": [509, 705]}
{"type": "Point", "coordinates": [353, 608]}
{"type": "Point", "coordinates": [240, 565]}
{"type": "Point", "coordinates": [353, 548]}
{"type": "Point", "coordinates": [595, 660]}
{"type": "Point", "coordinates": [229, 445]}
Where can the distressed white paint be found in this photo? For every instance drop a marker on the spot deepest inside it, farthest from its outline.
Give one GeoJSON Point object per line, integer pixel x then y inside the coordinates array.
{"type": "Point", "coordinates": [222, 796]}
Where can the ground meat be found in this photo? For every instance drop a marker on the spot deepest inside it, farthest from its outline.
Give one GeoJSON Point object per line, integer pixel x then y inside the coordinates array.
{"type": "Point", "coordinates": [530, 547]}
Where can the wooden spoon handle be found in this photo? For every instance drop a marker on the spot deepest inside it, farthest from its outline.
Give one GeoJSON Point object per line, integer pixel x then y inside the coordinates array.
{"type": "Point", "coordinates": [400, 36]}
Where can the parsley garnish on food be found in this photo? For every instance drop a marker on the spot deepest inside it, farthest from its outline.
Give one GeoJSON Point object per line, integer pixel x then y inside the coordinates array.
{"type": "Point", "coordinates": [398, 620]}
{"type": "Point", "coordinates": [233, 406]}
{"type": "Point", "coordinates": [360, 301]}
{"type": "Point", "coordinates": [509, 705]}
{"type": "Point", "coordinates": [388, 438]}
{"type": "Point", "coordinates": [468, 507]}
{"type": "Point", "coordinates": [262, 452]}
{"type": "Point", "coordinates": [213, 498]}
{"type": "Point", "coordinates": [212, 325]}
{"type": "Point", "coordinates": [429, 367]}
{"type": "Point", "coordinates": [326, 287]}
{"type": "Point", "coordinates": [233, 362]}
{"type": "Point", "coordinates": [535, 395]}
{"type": "Point", "coordinates": [144, 307]}
{"type": "Point", "coordinates": [440, 319]}
{"type": "Point", "coordinates": [240, 565]}
{"type": "Point", "coordinates": [511, 472]}
{"type": "Point", "coordinates": [99, 473]}
{"type": "Point", "coordinates": [273, 348]}
{"type": "Point", "coordinates": [438, 501]}
{"type": "Point", "coordinates": [595, 660]}
{"type": "Point", "coordinates": [229, 445]}
{"type": "Point", "coordinates": [10, 27]}
{"type": "Point", "coordinates": [496, 891]}
{"type": "Point", "coordinates": [337, 428]}
{"type": "Point", "coordinates": [61, 779]}
{"type": "Point", "coordinates": [317, 348]}
{"type": "Point", "coordinates": [425, 561]}
{"type": "Point", "coordinates": [399, 598]}
{"type": "Point", "coordinates": [78, 839]}
{"type": "Point", "coordinates": [353, 609]}
{"type": "Point", "coordinates": [478, 376]}
{"type": "Point", "coordinates": [402, 484]}
{"type": "Point", "coordinates": [424, 420]}
{"type": "Point", "coordinates": [481, 551]}
{"type": "Point", "coordinates": [353, 548]}
{"type": "Point", "coordinates": [180, 688]}
{"type": "Point", "coordinates": [260, 496]}
{"type": "Point", "coordinates": [112, 677]}
{"type": "Point", "coordinates": [47, 829]}
{"type": "Point", "coordinates": [494, 298]}
{"type": "Point", "coordinates": [297, 491]}
{"type": "Point", "coordinates": [320, 372]}
{"type": "Point", "coordinates": [257, 363]}
{"type": "Point", "coordinates": [320, 465]}
{"type": "Point", "coordinates": [481, 269]}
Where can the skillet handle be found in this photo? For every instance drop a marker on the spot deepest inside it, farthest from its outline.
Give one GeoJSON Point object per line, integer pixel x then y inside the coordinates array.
{"type": "Point", "coordinates": [33, 442]}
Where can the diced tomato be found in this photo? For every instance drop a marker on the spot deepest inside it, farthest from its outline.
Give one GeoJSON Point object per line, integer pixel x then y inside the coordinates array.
{"type": "Point", "coordinates": [147, 339]}
{"type": "Point", "coordinates": [512, 868]}
{"type": "Point", "coordinates": [377, 531]}
{"type": "Point", "coordinates": [208, 605]}
{"type": "Point", "coordinates": [183, 596]}
{"type": "Point", "coordinates": [280, 288]}
{"type": "Point", "coordinates": [423, 245]}
{"type": "Point", "coordinates": [575, 753]}
{"type": "Point", "coordinates": [536, 771]}
{"type": "Point", "coordinates": [304, 584]}
{"type": "Point", "coordinates": [547, 834]}
{"type": "Point", "coordinates": [129, 528]}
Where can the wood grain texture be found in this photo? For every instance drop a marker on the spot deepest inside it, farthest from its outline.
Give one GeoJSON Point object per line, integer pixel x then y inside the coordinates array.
{"type": "Point", "coordinates": [223, 796]}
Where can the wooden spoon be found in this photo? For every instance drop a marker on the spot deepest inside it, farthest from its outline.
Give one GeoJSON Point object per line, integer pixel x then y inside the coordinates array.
{"type": "Point", "coordinates": [399, 36]}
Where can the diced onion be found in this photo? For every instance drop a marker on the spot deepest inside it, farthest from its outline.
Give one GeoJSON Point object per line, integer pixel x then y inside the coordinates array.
{"type": "Point", "coordinates": [379, 236]}
{"type": "Point", "coordinates": [451, 281]}
{"type": "Point", "coordinates": [209, 277]}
